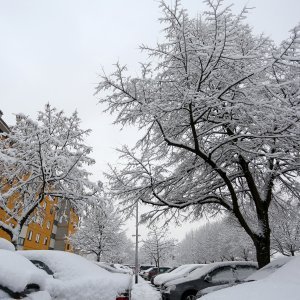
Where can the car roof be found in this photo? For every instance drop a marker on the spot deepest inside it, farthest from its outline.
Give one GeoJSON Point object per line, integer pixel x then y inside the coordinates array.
{"type": "Point", "coordinates": [196, 274]}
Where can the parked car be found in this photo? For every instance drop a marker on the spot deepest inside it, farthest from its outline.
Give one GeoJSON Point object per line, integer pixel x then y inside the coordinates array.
{"type": "Point", "coordinates": [19, 278]}
{"type": "Point", "coordinates": [166, 272]}
{"type": "Point", "coordinates": [278, 280]}
{"type": "Point", "coordinates": [186, 288]}
{"type": "Point", "coordinates": [110, 267]}
{"type": "Point", "coordinates": [262, 273]}
{"type": "Point", "coordinates": [144, 273]}
{"type": "Point", "coordinates": [126, 269]}
{"type": "Point", "coordinates": [155, 271]}
{"type": "Point", "coordinates": [176, 273]}
{"type": "Point", "coordinates": [145, 267]}
{"type": "Point", "coordinates": [76, 278]}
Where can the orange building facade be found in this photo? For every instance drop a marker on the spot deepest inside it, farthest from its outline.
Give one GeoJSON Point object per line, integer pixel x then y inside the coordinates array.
{"type": "Point", "coordinates": [49, 231]}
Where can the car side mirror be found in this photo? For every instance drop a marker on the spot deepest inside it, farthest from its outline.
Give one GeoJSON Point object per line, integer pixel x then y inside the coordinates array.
{"type": "Point", "coordinates": [207, 278]}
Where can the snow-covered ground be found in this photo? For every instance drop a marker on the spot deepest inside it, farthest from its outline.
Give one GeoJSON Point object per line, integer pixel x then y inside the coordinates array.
{"type": "Point", "coordinates": [143, 290]}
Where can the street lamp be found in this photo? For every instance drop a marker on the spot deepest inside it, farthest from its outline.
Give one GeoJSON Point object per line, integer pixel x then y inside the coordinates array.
{"type": "Point", "coordinates": [136, 241]}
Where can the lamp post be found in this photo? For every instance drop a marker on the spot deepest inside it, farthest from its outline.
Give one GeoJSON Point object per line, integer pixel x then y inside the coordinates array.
{"type": "Point", "coordinates": [136, 241]}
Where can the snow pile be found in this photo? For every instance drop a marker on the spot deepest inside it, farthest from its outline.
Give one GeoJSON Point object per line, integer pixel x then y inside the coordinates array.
{"type": "Point", "coordinates": [283, 284]}
{"type": "Point", "coordinates": [144, 291]}
{"type": "Point", "coordinates": [177, 273]}
{"type": "Point", "coordinates": [6, 245]}
{"type": "Point", "coordinates": [17, 272]}
{"type": "Point", "coordinates": [269, 268]}
{"type": "Point", "coordinates": [77, 278]}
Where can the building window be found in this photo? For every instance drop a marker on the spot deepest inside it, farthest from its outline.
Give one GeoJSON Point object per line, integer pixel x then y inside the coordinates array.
{"type": "Point", "coordinates": [37, 237]}
{"type": "Point", "coordinates": [21, 241]}
{"type": "Point", "coordinates": [48, 224]}
{"type": "Point", "coordinates": [29, 235]}
{"type": "Point", "coordinates": [45, 241]}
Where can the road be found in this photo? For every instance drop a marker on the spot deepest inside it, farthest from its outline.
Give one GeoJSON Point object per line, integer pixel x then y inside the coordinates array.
{"type": "Point", "coordinates": [143, 290]}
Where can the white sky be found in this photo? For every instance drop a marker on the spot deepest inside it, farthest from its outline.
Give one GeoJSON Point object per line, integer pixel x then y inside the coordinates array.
{"type": "Point", "coordinates": [53, 50]}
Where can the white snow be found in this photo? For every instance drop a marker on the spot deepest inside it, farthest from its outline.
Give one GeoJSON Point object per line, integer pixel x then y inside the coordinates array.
{"type": "Point", "coordinates": [41, 295]}
{"type": "Point", "coordinates": [144, 291]}
{"type": "Point", "coordinates": [17, 272]}
{"type": "Point", "coordinates": [77, 278]}
{"type": "Point", "coordinates": [6, 245]}
{"type": "Point", "coordinates": [283, 284]}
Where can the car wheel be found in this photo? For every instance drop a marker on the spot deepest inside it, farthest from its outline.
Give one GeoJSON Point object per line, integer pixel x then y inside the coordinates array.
{"type": "Point", "coordinates": [190, 296]}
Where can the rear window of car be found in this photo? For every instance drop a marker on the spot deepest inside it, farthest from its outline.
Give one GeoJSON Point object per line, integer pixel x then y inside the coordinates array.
{"type": "Point", "coordinates": [243, 272]}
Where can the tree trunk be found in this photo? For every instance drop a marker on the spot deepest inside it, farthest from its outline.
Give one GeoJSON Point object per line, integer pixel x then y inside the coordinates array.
{"type": "Point", "coordinates": [98, 257]}
{"type": "Point", "coordinates": [263, 251]}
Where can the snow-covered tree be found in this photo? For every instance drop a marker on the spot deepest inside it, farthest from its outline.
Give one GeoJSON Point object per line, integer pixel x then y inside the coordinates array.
{"type": "Point", "coordinates": [123, 253]}
{"type": "Point", "coordinates": [99, 232]}
{"type": "Point", "coordinates": [217, 241]}
{"type": "Point", "coordinates": [43, 158]}
{"type": "Point", "coordinates": [220, 109]}
{"type": "Point", "coordinates": [158, 247]}
{"type": "Point", "coordinates": [285, 229]}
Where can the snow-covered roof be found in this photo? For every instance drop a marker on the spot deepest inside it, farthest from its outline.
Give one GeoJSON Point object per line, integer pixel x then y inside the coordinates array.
{"type": "Point", "coordinates": [282, 284]}
{"type": "Point", "coordinates": [77, 278]}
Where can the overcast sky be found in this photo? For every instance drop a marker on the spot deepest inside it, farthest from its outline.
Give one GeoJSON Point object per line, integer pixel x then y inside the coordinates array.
{"type": "Point", "coordinates": [53, 51]}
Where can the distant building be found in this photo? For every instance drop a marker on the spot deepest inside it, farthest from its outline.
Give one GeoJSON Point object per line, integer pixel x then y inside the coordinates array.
{"type": "Point", "coordinates": [49, 231]}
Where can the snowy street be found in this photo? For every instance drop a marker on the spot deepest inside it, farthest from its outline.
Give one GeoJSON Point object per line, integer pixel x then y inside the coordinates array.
{"type": "Point", "coordinates": [143, 290]}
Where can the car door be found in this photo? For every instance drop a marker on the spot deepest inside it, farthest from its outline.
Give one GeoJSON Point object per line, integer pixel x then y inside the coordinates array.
{"type": "Point", "coordinates": [241, 272]}
{"type": "Point", "coordinates": [221, 275]}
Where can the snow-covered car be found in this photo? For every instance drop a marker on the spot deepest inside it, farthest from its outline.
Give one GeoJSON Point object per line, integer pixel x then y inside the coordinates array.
{"type": "Point", "coordinates": [176, 273]}
{"type": "Point", "coordinates": [163, 271]}
{"type": "Point", "coordinates": [186, 288]}
{"type": "Point", "coordinates": [123, 268]}
{"type": "Point", "coordinates": [20, 279]}
{"type": "Point", "coordinates": [279, 280]}
{"type": "Point", "coordinates": [110, 267]}
{"type": "Point", "coordinates": [76, 278]}
{"type": "Point", "coordinates": [262, 273]}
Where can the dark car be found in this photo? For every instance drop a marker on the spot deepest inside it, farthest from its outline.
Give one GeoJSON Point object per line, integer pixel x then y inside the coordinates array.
{"type": "Point", "coordinates": [145, 267]}
{"type": "Point", "coordinates": [186, 288]}
{"type": "Point", "coordinates": [155, 271]}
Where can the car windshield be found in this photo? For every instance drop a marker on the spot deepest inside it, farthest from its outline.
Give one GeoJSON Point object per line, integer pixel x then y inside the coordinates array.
{"type": "Point", "coordinates": [268, 269]}
{"type": "Point", "coordinates": [43, 266]}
